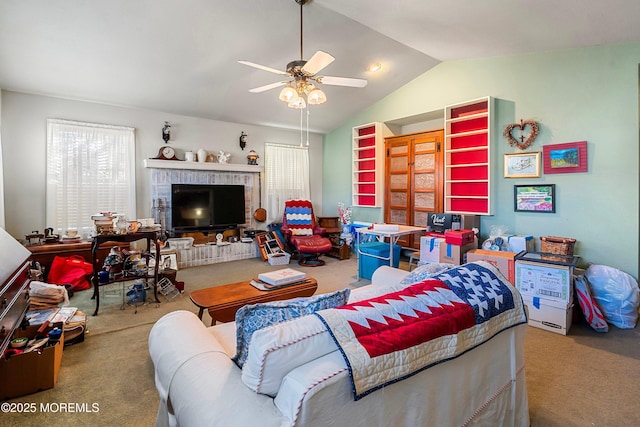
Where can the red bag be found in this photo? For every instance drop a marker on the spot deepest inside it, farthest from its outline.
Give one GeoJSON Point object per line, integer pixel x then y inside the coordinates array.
{"type": "Point", "coordinates": [71, 270]}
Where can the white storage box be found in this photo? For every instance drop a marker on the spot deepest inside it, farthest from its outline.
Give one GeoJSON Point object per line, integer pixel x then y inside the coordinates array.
{"type": "Point", "coordinates": [550, 315]}
{"type": "Point", "coordinates": [537, 279]}
{"type": "Point", "coordinates": [180, 242]}
{"type": "Point", "coordinates": [430, 249]}
{"type": "Point", "coordinates": [279, 258]}
{"type": "Point", "coordinates": [519, 243]}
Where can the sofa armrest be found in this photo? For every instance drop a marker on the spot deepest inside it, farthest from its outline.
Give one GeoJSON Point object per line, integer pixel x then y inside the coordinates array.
{"type": "Point", "coordinates": [386, 276]}
{"type": "Point", "coordinates": [197, 380]}
{"type": "Point", "coordinates": [174, 339]}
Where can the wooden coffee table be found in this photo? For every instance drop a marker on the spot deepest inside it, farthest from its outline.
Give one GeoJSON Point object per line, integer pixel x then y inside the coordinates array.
{"type": "Point", "coordinates": [222, 302]}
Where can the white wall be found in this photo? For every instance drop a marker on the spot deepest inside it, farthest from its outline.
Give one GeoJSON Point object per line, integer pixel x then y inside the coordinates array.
{"type": "Point", "coordinates": [23, 133]}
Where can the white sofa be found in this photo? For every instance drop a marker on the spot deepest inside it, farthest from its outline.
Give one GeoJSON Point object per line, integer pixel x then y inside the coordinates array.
{"type": "Point", "coordinates": [301, 379]}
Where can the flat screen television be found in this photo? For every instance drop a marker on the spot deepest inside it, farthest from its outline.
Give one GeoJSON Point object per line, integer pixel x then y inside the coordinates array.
{"type": "Point", "coordinates": [199, 207]}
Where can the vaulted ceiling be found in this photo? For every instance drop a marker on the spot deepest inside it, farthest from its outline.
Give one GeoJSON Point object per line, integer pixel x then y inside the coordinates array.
{"type": "Point", "coordinates": [180, 56]}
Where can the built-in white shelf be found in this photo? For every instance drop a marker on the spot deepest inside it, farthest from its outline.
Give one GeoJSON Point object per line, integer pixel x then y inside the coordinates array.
{"type": "Point", "coordinates": [202, 166]}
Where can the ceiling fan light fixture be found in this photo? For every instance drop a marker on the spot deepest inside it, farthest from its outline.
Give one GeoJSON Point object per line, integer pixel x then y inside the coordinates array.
{"type": "Point", "coordinates": [374, 67]}
{"type": "Point", "coordinates": [316, 96]}
{"type": "Point", "coordinates": [287, 94]}
{"type": "Point", "coordinates": [298, 103]}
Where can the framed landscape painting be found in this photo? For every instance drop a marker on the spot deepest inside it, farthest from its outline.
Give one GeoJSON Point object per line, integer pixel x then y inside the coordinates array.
{"type": "Point", "coordinates": [570, 157]}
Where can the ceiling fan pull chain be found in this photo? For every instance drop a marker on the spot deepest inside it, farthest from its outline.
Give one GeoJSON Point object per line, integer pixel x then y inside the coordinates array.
{"type": "Point", "coordinates": [301, 129]}
{"type": "Point", "coordinates": [308, 114]}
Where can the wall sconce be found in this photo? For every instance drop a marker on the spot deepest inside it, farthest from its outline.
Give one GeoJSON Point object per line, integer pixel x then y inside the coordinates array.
{"type": "Point", "coordinates": [166, 132]}
{"type": "Point", "coordinates": [243, 140]}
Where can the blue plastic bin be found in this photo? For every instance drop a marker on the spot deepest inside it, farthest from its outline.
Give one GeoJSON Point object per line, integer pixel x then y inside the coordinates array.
{"type": "Point", "coordinates": [368, 264]}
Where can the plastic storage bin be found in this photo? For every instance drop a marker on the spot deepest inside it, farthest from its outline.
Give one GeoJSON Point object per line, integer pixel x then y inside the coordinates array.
{"type": "Point", "coordinates": [372, 255]}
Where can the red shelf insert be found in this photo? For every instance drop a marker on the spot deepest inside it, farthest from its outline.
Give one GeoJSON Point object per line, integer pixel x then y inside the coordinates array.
{"type": "Point", "coordinates": [469, 189]}
{"type": "Point", "coordinates": [479, 123]}
{"type": "Point", "coordinates": [468, 157]}
{"type": "Point", "coordinates": [468, 141]}
{"type": "Point", "coordinates": [469, 205]}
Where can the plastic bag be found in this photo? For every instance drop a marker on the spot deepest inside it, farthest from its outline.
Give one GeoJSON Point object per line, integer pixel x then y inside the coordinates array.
{"type": "Point", "coordinates": [616, 293]}
{"type": "Point", "coordinates": [496, 241]}
{"type": "Point", "coordinates": [71, 270]}
{"type": "Point", "coordinates": [590, 309]}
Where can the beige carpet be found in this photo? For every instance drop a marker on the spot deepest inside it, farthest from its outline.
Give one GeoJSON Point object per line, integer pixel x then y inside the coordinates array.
{"type": "Point", "coordinates": [583, 379]}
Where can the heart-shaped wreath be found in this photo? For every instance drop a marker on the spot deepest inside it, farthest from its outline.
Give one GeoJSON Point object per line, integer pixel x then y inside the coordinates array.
{"type": "Point", "coordinates": [524, 141]}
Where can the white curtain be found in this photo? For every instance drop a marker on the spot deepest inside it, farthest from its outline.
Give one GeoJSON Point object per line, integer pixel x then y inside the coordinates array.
{"type": "Point", "coordinates": [286, 170]}
{"type": "Point", "coordinates": [90, 169]}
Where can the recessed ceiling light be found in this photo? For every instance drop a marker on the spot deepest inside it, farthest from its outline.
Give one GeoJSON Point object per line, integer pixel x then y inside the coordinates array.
{"type": "Point", "coordinates": [374, 67]}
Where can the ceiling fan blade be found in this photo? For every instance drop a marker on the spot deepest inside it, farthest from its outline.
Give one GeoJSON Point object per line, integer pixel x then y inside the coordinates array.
{"type": "Point", "coordinates": [341, 81]}
{"type": "Point", "coordinates": [265, 68]}
{"type": "Point", "coordinates": [267, 87]}
{"type": "Point", "coordinates": [317, 62]}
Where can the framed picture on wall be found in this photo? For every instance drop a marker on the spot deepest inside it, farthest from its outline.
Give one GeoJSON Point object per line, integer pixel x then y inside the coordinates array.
{"type": "Point", "coordinates": [522, 165]}
{"type": "Point", "coordinates": [570, 157]}
{"type": "Point", "coordinates": [535, 198]}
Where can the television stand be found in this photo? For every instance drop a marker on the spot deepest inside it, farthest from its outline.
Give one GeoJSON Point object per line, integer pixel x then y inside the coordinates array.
{"type": "Point", "coordinates": [204, 237]}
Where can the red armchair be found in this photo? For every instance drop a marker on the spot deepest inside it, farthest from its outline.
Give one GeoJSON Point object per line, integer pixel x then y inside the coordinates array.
{"type": "Point", "coordinates": [303, 234]}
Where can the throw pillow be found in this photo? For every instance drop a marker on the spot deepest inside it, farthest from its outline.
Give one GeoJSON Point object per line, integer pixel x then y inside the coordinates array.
{"type": "Point", "coordinates": [592, 313]}
{"type": "Point", "coordinates": [252, 317]}
{"type": "Point", "coordinates": [424, 272]}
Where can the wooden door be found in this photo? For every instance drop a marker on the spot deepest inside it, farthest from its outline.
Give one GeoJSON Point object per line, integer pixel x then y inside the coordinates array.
{"type": "Point", "coordinates": [414, 185]}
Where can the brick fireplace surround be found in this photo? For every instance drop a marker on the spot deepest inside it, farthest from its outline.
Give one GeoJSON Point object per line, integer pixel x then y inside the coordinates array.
{"type": "Point", "coordinates": [164, 173]}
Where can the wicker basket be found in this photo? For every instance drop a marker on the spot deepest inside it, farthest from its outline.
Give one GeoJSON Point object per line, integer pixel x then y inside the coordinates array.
{"type": "Point", "coordinates": [278, 258]}
{"type": "Point", "coordinates": [556, 245]}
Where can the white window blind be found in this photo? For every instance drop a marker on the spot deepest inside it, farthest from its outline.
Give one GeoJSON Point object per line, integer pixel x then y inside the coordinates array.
{"type": "Point", "coordinates": [90, 169]}
{"type": "Point", "coordinates": [286, 172]}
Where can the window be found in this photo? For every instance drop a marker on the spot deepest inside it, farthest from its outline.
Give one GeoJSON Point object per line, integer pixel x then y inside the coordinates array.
{"type": "Point", "coordinates": [90, 169]}
{"type": "Point", "coordinates": [286, 177]}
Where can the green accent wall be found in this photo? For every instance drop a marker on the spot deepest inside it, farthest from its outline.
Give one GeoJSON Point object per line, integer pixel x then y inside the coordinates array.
{"type": "Point", "coordinates": [588, 94]}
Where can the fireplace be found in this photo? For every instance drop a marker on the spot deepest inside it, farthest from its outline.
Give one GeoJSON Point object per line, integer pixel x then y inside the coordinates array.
{"type": "Point", "coordinates": [162, 178]}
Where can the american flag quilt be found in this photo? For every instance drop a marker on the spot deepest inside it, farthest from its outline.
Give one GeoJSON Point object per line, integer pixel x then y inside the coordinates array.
{"type": "Point", "coordinates": [389, 338]}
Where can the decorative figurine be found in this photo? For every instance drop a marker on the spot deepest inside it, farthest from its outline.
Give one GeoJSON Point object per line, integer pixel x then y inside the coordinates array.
{"type": "Point", "coordinates": [252, 158]}
{"type": "Point", "coordinates": [223, 157]}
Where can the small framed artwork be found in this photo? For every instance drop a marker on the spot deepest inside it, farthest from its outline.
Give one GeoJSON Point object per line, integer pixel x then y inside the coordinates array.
{"type": "Point", "coordinates": [522, 165]}
{"type": "Point", "coordinates": [570, 157]}
{"type": "Point", "coordinates": [535, 198]}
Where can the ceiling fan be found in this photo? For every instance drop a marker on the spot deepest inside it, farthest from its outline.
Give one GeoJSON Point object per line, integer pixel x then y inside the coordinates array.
{"type": "Point", "coordinates": [302, 77]}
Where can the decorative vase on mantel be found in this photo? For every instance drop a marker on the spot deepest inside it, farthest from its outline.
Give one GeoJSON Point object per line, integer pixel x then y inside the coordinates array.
{"type": "Point", "coordinates": [202, 155]}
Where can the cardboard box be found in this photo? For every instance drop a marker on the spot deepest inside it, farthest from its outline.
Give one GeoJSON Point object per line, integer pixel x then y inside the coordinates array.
{"type": "Point", "coordinates": [455, 254]}
{"type": "Point", "coordinates": [544, 280]}
{"type": "Point", "coordinates": [28, 373]}
{"type": "Point", "coordinates": [469, 222]}
{"type": "Point", "coordinates": [519, 243]}
{"type": "Point", "coordinates": [503, 261]}
{"type": "Point", "coordinates": [550, 315]}
{"type": "Point", "coordinates": [459, 237]}
{"type": "Point", "coordinates": [430, 248]}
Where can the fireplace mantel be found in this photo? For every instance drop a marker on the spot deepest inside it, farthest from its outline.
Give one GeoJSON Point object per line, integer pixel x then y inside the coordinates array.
{"type": "Point", "coordinates": [202, 166]}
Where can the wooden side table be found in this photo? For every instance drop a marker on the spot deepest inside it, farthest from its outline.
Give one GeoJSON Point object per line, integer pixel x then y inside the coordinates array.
{"type": "Point", "coordinates": [44, 254]}
{"type": "Point", "coordinates": [151, 238]}
{"type": "Point", "coordinates": [340, 248]}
